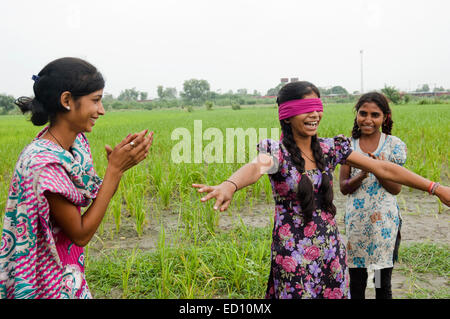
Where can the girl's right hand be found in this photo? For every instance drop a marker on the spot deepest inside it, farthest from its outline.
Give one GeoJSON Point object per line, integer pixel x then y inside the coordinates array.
{"type": "Point", "coordinates": [443, 192]}
{"type": "Point", "coordinates": [364, 174]}
{"type": "Point", "coordinates": [223, 194]}
{"type": "Point", "coordinates": [129, 152]}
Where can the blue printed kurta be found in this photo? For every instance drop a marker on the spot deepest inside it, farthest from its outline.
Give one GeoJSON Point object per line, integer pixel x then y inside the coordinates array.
{"type": "Point", "coordinates": [371, 242]}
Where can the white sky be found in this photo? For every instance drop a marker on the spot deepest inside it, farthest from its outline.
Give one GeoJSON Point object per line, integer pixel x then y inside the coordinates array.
{"type": "Point", "coordinates": [231, 43]}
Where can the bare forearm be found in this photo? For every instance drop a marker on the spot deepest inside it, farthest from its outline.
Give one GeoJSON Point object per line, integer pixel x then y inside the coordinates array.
{"type": "Point", "coordinates": [351, 184]}
{"type": "Point", "coordinates": [394, 173]}
{"type": "Point", "coordinates": [391, 187]}
{"type": "Point", "coordinates": [246, 175]}
{"type": "Point", "coordinates": [385, 170]}
{"type": "Point", "coordinates": [93, 216]}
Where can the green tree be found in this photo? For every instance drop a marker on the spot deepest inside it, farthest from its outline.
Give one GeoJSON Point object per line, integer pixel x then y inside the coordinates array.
{"type": "Point", "coordinates": [195, 91]}
{"type": "Point", "coordinates": [160, 91]}
{"type": "Point", "coordinates": [274, 91]}
{"type": "Point", "coordinates": [143, 96]}
{"type": "Point", "coordinates": [170, 93]}
{"type": "Point", "coordinates": [209, 105]}
{"type": "Point", "coordinates": [256, 93]}
{"type": "Point", "coordinates": [6, 103]}
{"type": "Point", "coordinates": [128, 95]}
{"type": "Point", "coordinates": [392, 94]}
{"type": "Point", "coordinates": [324, 91]}
{"type": "Point", "coordinates": [166, 93]}
{"type": "Point", "coordinates": [338, 90]}
{"type": "Point", "coordinates": [242, 91]}
{"type": "Point", "coordinates": [424, 88]}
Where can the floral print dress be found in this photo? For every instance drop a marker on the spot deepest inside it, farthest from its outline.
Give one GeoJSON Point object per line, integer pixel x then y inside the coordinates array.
{"type": "Point", "coordinates": [371, 241]}
{"type": "Point", "coordinates": [307, 261]}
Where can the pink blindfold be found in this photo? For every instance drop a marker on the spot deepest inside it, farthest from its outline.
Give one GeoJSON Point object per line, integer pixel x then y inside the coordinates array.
{"type": "Point", "coordinates": [295, 107]}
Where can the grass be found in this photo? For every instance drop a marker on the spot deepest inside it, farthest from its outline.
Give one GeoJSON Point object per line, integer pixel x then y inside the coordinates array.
{"type": "Point", "coordinates": [231, 265]}
{"type": "Point", "coordinates": [421, 264]}
{"type": "Point", "coordinates": [427, 258]}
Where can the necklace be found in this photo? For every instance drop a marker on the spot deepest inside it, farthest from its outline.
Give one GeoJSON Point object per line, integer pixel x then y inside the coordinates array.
{"type": "Point", "coordinates": [308, 157]}
{"type": "Point", "coordinates": [55, 138]}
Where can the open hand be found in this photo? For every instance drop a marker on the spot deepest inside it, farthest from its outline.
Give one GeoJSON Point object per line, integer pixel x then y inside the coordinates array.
{"type": "Point", "coordinates": [130, 151]}
{"type": "Point", "coordinates": [223, 194]}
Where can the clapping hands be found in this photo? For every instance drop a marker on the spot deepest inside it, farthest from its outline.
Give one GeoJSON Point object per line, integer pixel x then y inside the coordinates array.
{"type": "Point", "coordinates": [130, 151]}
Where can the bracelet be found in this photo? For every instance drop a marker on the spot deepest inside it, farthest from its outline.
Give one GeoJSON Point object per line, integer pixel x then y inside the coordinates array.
{"type": "Point", "coordinates": [233, 184]}
{"type": "Point", "coordinates": [346, 182]}
{"type": "Point", "coordinates": [433, 189]}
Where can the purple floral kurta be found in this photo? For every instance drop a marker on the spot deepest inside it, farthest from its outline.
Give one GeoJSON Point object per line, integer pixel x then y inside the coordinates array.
{"type": "Point", "coordinates": [307, 261]}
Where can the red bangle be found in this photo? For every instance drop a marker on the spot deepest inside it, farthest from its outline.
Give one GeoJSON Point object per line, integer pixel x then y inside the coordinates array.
{"type": "Point", "coordinates": [433, 189]}
{"type": "Point", "coordinates": [430, 187]}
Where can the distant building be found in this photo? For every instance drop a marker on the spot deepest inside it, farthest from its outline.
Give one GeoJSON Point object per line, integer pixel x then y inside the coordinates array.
{"type": "Point", "coordinates": [437, 93]}
{"type": "Point", "coordinates": [286, 80]}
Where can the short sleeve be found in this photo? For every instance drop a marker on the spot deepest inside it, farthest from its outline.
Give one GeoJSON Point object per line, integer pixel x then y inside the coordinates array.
{"type": "Point", "coordinates": [337, 149]}
{"type": "Point", "coordinates": [399, 152]}
{"type": "Point", "coordinates": [54, 179]}
{"type": "Point", "coordinates": [271, 148]}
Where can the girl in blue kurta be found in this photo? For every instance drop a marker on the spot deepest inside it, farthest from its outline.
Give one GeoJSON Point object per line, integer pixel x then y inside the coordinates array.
{"type": "Point", "coordinates": [372, 217]}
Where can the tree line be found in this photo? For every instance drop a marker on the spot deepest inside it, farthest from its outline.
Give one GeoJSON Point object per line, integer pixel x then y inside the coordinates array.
{"type": "Point", "coordinates": [197, 92]}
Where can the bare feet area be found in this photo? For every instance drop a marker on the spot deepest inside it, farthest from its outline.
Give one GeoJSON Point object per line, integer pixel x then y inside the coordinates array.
{"type": "Point", "coordinates": [423, 221]}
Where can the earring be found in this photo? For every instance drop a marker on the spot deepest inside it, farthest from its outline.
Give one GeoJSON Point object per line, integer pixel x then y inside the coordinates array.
{"type": "Point", "coordinates": [67, 108]}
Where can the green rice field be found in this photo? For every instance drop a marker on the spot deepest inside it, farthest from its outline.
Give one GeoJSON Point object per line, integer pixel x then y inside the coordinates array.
{"type": "Point", "coordinates": [174, 247]}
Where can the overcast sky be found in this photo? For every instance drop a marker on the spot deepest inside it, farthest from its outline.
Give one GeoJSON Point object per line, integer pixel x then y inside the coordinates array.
{"type": "Point", "coordinates": [233, 44]}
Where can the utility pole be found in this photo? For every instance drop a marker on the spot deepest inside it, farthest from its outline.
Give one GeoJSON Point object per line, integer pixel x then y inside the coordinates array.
{"type": "Point", "coordinates": [362, 83]}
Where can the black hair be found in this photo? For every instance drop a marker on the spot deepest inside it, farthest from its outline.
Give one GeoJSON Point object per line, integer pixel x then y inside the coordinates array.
{"type": "Point", "coordinates": [75, 75]}
{"type": "Point", "coordinates": [382, 102]}
{"type": "Point", "coordinates": [305, 193]}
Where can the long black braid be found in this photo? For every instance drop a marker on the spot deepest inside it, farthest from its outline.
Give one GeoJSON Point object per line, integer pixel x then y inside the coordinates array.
{"type": "Point", "coordinates": [305, 193]}
{"type": "Point", "coordinates": [381, 101]}
{"type": "Point", "coordinates": [305, 188]}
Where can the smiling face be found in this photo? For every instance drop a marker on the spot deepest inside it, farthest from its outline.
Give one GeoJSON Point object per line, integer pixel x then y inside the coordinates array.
{"type": "Point", "coordinates": [85, 111]}
{"type": "Point", "coordinates": [369, 118]}
{"type": "Point", "coordinates": [306, 124]}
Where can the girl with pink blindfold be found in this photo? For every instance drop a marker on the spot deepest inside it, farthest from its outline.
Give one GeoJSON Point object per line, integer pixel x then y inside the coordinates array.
{"type": "Point", "coordinates": [308, 256]}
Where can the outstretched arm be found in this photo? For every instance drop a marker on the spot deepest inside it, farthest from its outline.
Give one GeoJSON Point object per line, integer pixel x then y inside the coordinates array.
{"type": "Point", "coordinates": [349, 184]}
{"type": "Point", "coordinates": [395, 173]}
{"type": "Point", "coordinates": [246, 175]}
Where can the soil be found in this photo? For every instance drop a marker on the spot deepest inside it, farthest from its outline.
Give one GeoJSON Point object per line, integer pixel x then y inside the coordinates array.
{"type": "Point", "coordinates": [424, 220]}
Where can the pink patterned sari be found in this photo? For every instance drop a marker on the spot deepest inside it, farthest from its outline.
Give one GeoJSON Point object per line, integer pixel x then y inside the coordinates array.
{"type": "Point", "coordinates": [37, 260]}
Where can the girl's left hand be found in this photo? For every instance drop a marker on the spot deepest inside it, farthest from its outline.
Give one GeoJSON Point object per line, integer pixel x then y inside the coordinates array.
{"type": "Point", "coordinates": [380, 157]}
{"type": "Point", "coordinates": [443, 192]}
